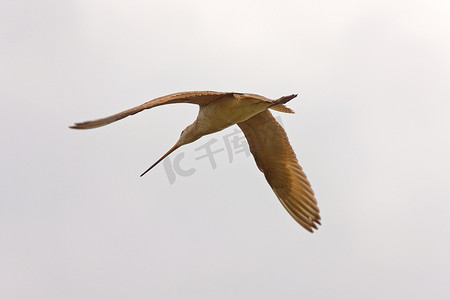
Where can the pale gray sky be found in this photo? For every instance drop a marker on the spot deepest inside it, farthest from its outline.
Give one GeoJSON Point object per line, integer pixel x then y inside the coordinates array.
{"type": "Point", "coordinates": [371, 130]}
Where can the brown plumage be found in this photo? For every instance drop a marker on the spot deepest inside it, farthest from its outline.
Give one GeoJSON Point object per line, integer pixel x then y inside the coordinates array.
{"type": "Point", "coordinates": [268, 141]}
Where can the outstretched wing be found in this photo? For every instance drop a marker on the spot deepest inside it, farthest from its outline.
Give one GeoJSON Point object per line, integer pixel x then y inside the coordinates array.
{"type": "Point", "coordinates": [200, 98]}
{"type": "Point", "coordinates": [274, 157]}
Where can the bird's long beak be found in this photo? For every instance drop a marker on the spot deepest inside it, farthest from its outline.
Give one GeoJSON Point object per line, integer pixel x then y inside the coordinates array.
{"type": "Point", "coordinates": [159, 160]}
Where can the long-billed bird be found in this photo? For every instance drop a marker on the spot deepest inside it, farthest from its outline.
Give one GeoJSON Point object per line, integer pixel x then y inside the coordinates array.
{"type": "Point", "coordinates": [267, 140]}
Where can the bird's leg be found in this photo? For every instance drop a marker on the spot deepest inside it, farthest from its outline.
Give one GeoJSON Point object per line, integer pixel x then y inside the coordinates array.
{"type": "Point", "coordinates": [284, 99]}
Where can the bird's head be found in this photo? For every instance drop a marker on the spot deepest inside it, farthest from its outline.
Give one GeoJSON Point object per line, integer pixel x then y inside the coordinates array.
{"type": "Point", "coordinates": [188, 135]}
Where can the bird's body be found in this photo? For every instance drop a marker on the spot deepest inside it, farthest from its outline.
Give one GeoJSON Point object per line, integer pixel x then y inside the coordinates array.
{"type": "Point", "coordinates": [212, 117]}
{"type": "Point", "coordinates": [267, 140]}
{"type": "Point", "coordinates": [230, 110]}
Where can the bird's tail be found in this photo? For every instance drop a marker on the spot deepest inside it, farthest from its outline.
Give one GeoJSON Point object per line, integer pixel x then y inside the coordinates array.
{"type": "Point", "coordinates": [278, 104]}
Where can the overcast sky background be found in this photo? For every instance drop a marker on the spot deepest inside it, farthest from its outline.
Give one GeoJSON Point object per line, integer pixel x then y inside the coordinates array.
{"type": "Point", "coordinates": [371, 130]}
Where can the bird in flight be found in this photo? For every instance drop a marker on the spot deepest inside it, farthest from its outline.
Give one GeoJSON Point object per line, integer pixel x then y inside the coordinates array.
{"type": "Point", "coordinates": [267, 140]}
